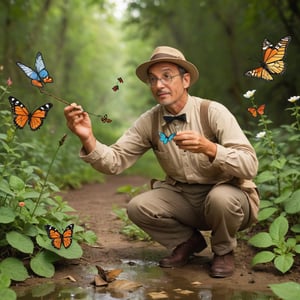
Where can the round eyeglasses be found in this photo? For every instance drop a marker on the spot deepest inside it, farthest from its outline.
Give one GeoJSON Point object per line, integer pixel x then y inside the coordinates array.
{"type": "Point", "coordinates": [165, 79]}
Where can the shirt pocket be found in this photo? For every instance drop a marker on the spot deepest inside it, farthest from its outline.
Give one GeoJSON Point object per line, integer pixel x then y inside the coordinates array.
{"type": "Point", "coordinates": [202, 166]}
{"type": "Point", "coordinates": [166, 162]}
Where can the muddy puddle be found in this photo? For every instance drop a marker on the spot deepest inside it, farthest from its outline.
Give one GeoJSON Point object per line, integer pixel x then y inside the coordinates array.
{"type": "Point", "coordinates": [140, 280]}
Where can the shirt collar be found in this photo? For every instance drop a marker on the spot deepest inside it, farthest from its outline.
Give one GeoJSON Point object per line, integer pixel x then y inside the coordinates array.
{"type": "Point", "coordinates": [186, 110]}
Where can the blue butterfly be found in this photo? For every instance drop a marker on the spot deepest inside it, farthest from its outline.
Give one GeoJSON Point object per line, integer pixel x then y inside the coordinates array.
{"type": "Point", "coordinates": [165, 139]}
{"type": "Point", "coordinates": [40, 75]}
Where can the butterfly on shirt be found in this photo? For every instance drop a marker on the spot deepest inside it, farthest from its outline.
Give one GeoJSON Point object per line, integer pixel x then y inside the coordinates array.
{"type": "Point", "coordinates": [58, 239]}
{"type": "Point", "coordinates": [40, 76]}
{"type": "Point", "coordinates": [164, 138]}
{"type": "Point", "coordinates": [257, 111]}
{"type": "Point", "coordinates": [272, 63]}
{"type": "Point", "coordinates": [22, 115]}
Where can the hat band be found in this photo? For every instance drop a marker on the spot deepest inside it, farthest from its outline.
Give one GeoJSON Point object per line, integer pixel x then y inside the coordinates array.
{"type": "Point", "coordinates": [164, 55]}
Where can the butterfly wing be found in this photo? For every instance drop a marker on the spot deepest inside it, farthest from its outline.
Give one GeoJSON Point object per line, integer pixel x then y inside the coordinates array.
{"type": "Point", "coordinates": [252, 111]}
{"type": "Point", "coordinates": [54, 235]}
{"type": "Point", "coordinates": [67, 236]}
{"type": "Point", "coordinates": [35, 78]}
{"type": "Point", "coordinates": [163, 138]}
{"type": "Point", "coordinates": [21, 113]}
{"type": "Point", "coordinates": [105, 119]}
{"type": "Point", "coordinates": [273, 56]}
{"type": "Point", "coordinates": [272, 60]}
{"type": "Point", "coordinates": [170, 138]}
{"type": "Point", "coordinates": [41, 69]}
{"type": "Point", "coordinates": [261, 109]}
{"type": "Point", "coordinates": [259, 72]}
{"type": "Point", "coordinates": [36, 119]}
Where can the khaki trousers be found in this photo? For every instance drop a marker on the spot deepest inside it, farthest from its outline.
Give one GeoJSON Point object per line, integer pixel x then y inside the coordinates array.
{"type": "Point", "coordinates": [171, 213]}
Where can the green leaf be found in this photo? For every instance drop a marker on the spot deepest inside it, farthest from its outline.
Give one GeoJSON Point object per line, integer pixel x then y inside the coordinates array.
{"type": "Point", "coordinates": [266, 213]}
{"type": "Point", "coordinates": [264, 177]}
{"type": "Point", "coordinates": [286, 290]}
{"type": "Point", "coordinates": [41, 264]}
{"type": "Point", "coordinates": [14, 269]}
{"type": "Point", "coordinates": [29, 195]}
{"type": "Point", "coordinates": [293, 205]}
{"type": "Point", "coordinates": [16, 183]}
{"type": "Point", "coordinates": [297, 248]}
{"type": "Point", "coordinates": [296, 228]}
{"type": "Point", "coordinates": [278, 163]}
{"type": "Point", "coordinates": [4, 187]}
{"type": "Point", "coordinates": [284, 262]}
{"type": "Point", "coordinates": [262, 257]}
{"type": "Point", "coordinates": [7, 215]}
{"type": "Point", "coordinates": [73, 252]}
{"type": "Point", "coordinates": [19, 241]}
{"type": "Point", "coordinates": [279, 228]}
{"type": "Point", "coordinates": [4, 281]}
{"type": "Point", "coordinates": [265, 203]}
{"type": "Point", "coordinates": [261, 240]}
{"type": "Point", "coordinates": [8, 294]}
{"type": "Point", "coordinates": [89, 237]}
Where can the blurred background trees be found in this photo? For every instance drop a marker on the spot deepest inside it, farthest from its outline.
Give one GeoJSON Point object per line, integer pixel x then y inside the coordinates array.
{"type": "Point", "coordinates": [87, 45]}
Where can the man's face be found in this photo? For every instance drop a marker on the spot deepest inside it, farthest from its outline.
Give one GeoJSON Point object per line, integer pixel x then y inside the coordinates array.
{"type": "Point", "coordinates": [167, 85]}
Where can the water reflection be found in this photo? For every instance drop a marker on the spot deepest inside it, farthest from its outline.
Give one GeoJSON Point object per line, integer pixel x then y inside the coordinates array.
{"type": "Point", "coordinates": [157, 283]}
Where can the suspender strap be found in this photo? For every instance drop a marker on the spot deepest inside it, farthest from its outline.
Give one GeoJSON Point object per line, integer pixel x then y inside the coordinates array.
{"type": "Point", "coordinates": [203, 119]}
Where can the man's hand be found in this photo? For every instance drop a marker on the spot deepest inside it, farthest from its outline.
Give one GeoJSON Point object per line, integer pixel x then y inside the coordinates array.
{"type": "Point", "coordinates": [80, 124]}
{"type": "Point", "coordinates": [194, 142]}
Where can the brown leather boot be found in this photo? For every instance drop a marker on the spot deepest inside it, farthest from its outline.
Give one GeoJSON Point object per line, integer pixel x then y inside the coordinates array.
{"type": "Point", "coordinates": [222, 265]}
{"type": "Point", "coordinates": [182, 252]}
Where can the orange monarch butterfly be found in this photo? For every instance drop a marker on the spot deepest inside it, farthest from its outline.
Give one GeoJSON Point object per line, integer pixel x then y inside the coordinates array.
{"type": "Point", "coordinates": [22, 115]}
{"type": "Point", "coordinates": [40, 75]}
{"type": "Point", "coordinates": [254, 111]}
{"type": "Point", "coordinates": [272, 60]}
{"type": "Point", "coordinates": [105, 119]}
{"type": "Point", "coordinates": [57, 238]}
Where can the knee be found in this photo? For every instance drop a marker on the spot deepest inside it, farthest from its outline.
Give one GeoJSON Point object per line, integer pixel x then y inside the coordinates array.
{"type": "Point", "coordinates": [221, 201]}
{"type": "Point", "coordinates": [137, 208]}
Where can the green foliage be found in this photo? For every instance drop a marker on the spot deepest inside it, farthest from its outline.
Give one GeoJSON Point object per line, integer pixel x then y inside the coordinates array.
{"type": "Point", "coordinates": [27, 203]}
{"type": "Point", "coordinates": [279, 185]}
{"type": "Point", "coordinates": [129, 229]}
{"type": "Point", "coordinates": [283, 248]}
{"type": "Point", "coordinates": [286, 290]}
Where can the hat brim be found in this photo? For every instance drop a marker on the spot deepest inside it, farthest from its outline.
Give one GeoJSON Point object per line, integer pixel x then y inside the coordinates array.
{"type": "Point", "coordinates": [142, 69]}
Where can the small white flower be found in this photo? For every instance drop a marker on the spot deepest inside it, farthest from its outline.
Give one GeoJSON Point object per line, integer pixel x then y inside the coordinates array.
{"type": "Point", "coordinates": [293, 99]}
{"type": "Point", "coordinates": [260, 135]}
{"type": "Point", "coordinates": [249, 94]}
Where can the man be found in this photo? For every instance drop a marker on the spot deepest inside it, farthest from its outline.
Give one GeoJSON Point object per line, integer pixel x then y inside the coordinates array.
{"type": "Point", "coordinates": [208, 184]}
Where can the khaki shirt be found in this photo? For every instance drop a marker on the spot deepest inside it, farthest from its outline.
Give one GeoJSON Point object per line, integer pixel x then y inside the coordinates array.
{"type": "Point", "coordinates": [235, 156]}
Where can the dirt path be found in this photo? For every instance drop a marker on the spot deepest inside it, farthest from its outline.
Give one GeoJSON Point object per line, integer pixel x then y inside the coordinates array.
{"type": "Point", "coordinates": [94, 204]}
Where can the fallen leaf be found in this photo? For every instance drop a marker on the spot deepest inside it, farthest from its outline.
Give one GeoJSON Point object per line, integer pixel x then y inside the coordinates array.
{"type": "Point", "coordinates": [158, 295]}
{"type": "Point", "coordinates": [99, 281]}
{"type": "Point", "coordinates": [112, 274]}
{"type": "Point", "coordinates": [71, 278]}
{"type": "Point", "coordinates": [197, 283]}
{"type": "Point", "coordinates": [101, 272]}
{"type": "Point", "coordinates": [124, 285]}
{"type": "Point", "coordinates": [183, 292]}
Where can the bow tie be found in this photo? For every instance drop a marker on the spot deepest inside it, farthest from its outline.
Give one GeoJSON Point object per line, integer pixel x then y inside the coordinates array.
{"type": "Point", "coordinates": [170, 119]}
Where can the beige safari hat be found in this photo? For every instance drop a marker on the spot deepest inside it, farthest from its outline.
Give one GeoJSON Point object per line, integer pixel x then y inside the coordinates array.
{"type": "Point", "coordinates": [167, 54]}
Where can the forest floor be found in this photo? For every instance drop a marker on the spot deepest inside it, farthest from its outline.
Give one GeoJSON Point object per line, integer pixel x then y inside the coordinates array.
{"type": "Point", "coordinates": [94, 202]}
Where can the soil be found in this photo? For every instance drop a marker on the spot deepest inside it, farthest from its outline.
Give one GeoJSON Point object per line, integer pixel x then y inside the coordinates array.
{"type": "Point", "coordinates": [94, 203]}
